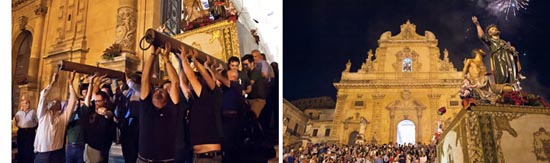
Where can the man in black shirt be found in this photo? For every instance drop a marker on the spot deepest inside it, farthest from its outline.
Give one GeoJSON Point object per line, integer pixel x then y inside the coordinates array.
{"type": "Point", "coordinates": [233, 64]}
{"type": "Point", "coordinates": [205, 113]}
{"type": "Point", "coordinates": [232, 108]}
{"type": "Point", "coordinates": [158, 114]}
{"type": "Point", "coordinates": [256, 97]}
{"type": "Point", "coordinates": [99, 127]}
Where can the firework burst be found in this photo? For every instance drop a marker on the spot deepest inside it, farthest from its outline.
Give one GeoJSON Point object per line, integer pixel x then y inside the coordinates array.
{"type": "Point", "coordinates": [507, 7]}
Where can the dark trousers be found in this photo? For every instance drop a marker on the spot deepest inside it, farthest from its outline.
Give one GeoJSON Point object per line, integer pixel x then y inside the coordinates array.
{"type": "Point", "coordinates": [129, 143]}
{"type": "Point", "coordinates": [56, 156]}
{"type": "Point", "coordinates": [25, 144]}
{"type": "Point", "coordinates": [231, 126]}
{"type": "Point", "coordinates": [74, 153]}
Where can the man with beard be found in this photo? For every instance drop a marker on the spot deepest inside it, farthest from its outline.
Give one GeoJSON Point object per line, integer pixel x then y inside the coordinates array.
{"type": "Point", "coordinates": [52, 122]}
{"type": "Point", "coordinates": [504, 57]}
{"type": "Point", "coordinates": [158, 113]}
{"type": "Point", "coordinates": [100, 127]}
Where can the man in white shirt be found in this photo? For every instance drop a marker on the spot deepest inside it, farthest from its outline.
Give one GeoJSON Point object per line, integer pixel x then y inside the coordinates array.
{"type": "Point", "coordinates": [52, 122]}
{"type": "Point", "coordinates": [26, 122]}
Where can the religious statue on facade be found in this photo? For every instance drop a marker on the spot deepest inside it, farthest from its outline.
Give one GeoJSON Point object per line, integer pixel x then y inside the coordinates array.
{"type": "Point", "coordinates": [285, 124]}
{"type": "Point", "coordinates": [348, 65]}
{"type": "Point", "coordinates": [363, 126]}
{"type": "Point", "coordinates": [504, 57]}
{"type": "Point", "coordinates": [309, 128]}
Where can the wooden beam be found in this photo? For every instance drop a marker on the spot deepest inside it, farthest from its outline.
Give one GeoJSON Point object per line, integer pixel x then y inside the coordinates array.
{"type": "Point", "coordinates": [158, 39]}
{"type": "Point", "coordinates": [87, 69]}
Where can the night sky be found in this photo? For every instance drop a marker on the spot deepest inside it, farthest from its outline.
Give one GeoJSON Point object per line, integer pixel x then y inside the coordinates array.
{"type": "Point", "coordinates": [320, 36]}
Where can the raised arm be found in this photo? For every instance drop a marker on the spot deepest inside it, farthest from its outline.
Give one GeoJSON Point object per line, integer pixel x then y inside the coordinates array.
{"type": "Point", "coordinates": [40, 109]}
{"type": "Point", "coordinates": [220, 77]}
{"type": "Point", "coordinates": [189, 73]}
{"type": "Point", "coordinates": [88, 96]}
{"type": "Point", "coordinates": [182, 79]}
{"type": "Point", "coordinates": [71, 103]}
{"type": "Point", "coordinates": [145, 77]}
{"type": "Point", "coordinates": [172, 75]}
{"type": "Point", "coordinates": [478, 27]}
{"type": "Point", "coordinates": [205, 75]}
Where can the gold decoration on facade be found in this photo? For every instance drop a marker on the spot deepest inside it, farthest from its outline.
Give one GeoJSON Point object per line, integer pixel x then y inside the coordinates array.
{"type": "Point", "coordinates": [404, 54]}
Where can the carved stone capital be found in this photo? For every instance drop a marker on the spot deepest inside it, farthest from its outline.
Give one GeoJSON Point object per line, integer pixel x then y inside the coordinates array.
{"type": "Point", "coordinates": [378, 96]}
{"type": "Point", "coordinates": [22, 22]}
{"type": "Point", "coordinates": [126, 26]}
{"type": "Point", "coordinates": [434, 96]}
{"type": "Point", "coordinates": [41, 10]}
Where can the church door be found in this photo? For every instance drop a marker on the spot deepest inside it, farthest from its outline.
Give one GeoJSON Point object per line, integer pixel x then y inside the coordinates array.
{"type": "Point", "coordinates": [352, 137]}
{"type": "Point", "coordinates": [406, 132]}
{"type": "Point", "coordinates": [21, 54]}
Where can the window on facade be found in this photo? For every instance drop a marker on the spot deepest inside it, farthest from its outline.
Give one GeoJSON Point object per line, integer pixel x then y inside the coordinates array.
{"type": "Point", "coordinates": [314, 132]}
{"type": "Point", "coordinates": [454, 103]}
{"type": "Point", "coordinates": [310, 115]}
{"type": "Point", "coordinates": [327, 132]}
{"type": "Point", "coordinates": [359, 103]}
{"type": "Point", "coordinates": [295, 129]}
{"type": "Point", "coordinates": [407, 65]}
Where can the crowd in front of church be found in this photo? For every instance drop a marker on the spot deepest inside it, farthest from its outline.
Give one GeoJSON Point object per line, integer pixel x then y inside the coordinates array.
{"type": "Point", "coordinates": [368, 153]}
{"type": "Point", "coordinates": [204, 114]}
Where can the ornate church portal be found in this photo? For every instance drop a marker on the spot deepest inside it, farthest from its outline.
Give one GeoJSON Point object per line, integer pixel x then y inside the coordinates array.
{"type": "Point", "coordinates": [398, 93]}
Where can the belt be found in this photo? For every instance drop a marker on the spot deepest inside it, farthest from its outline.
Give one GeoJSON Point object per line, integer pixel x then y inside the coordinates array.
{"type": "Point", "coordinates": [154, 161]}
{"type": "Point", "coordinates": [27, 129]}
{"type": "Point", "coordinates": [211, 154]}
{"type": "Point", "coordinates": [76, 143]}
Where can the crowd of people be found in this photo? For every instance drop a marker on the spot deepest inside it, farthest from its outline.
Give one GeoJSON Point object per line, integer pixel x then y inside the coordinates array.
{"type": "Point", "coordinates": [368, 153]}
{"type": "Point", "coordinates": [206, 113]}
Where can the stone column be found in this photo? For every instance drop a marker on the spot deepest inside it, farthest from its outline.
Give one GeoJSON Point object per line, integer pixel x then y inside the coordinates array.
{"type": "Point", "coordinates": [434, 98]}
{"type": "Point", "coordinates": [377, 115]}
{"type": "Point", "coordinates": [31, 89]}
{"type": "Point", "coordinates": [419, 123]}
{"type": "Point", "coordinates": [125, 35]}
{"type": "Point", "coordinates": [126, 25]}
{"type": "Point", "coordinates": [337, 120]}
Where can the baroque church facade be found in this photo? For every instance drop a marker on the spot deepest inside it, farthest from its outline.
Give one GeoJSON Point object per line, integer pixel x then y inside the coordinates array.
{"type": "Point", "coordinates": [406, 83]}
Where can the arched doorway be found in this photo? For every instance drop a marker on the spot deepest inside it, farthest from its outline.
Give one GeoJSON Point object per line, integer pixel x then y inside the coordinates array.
{"type": "Point", "coordinates": [352, 137]}
{"type": "Point", "coordinates": [406, 132]}
{"type": "Point", "coordinates": [21, 53]}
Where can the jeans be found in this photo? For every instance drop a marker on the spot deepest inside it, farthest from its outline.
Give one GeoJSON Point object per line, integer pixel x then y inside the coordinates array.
{"type": "Point", "coordinates": [75, 153]}
{"type": "Point", "coordinates": [56, 156]}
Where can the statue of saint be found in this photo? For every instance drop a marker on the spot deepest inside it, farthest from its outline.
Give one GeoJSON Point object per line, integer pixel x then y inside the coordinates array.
{"type": "Point", "coordinates": [476, 79]}
{"type": "Point", "coordinates": [504, 57]}
{"type": "Point", "coordinates": [348, 65]}
{"type": "Point", "coordinates": [363, 126]}
{"type": "Point", "coordinates": [309, 128]}
{"type": "Point", "coordinates": [194, 9]}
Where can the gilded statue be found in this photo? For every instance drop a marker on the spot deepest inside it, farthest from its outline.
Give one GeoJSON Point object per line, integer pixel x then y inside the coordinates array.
{"type": "Point", "coordinates": [504, 57]}
{"type": "Point", "coordinates": [476, 79]}
{"type": "Point", "coordinates": [194, 9]}
{"type": "Point", "coordinates": [475, 68]}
